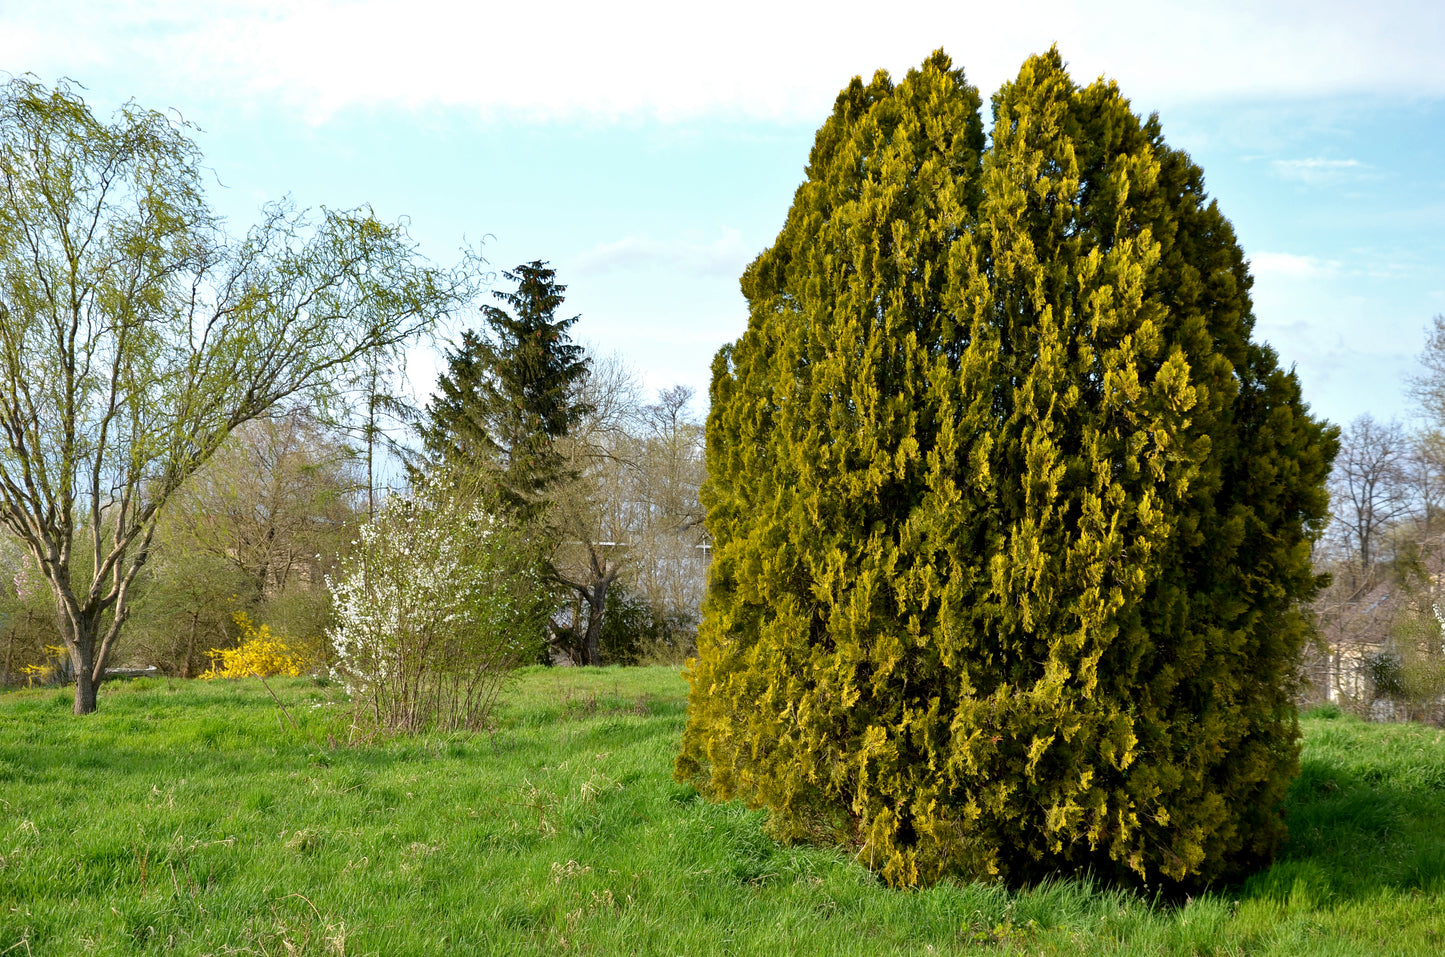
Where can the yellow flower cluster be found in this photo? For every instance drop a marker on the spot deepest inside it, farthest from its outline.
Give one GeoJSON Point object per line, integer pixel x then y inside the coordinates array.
{"type": "Point", "coordinates": [44, 674]}
{"type": "Point", "coordinates": [260, 654]}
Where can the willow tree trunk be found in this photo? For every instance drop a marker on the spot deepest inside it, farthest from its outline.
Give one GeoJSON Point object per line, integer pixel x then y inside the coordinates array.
{"type": "Point", "coordinates": [80, 642]}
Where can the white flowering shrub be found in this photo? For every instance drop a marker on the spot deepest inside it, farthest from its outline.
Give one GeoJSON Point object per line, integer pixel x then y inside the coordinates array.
{"type": "Point", "coordinates": [438, 602]}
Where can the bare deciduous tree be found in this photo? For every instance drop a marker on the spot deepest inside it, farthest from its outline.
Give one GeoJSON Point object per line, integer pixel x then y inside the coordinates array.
{"type": "Point", "coordinates": [632, 513]}
{"type": "Point", "coordinates": [1380, 615]}
{"type": "Point", "coordinates": [594, 523]}
{"type": "Point", "coordinates": [672, 571]}
{"type": "Point", "coordinates": [1369, 490]}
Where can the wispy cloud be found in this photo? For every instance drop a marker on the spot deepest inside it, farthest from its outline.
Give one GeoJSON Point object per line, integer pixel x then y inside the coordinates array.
{"type": "Point", "coordinates": [724, 256]}
{"type": "Point", "coordinates": [1291, 266]}
{"type": "Point", "coordinates": [1318, 170]}
{"type": "Point", "coordinates": [1311, 165]}
{"type": "Point", "coordinates": [769, 59]}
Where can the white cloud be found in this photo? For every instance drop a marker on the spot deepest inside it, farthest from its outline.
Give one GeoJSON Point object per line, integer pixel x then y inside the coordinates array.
{"type": "Point", "coordinates": [1311, 165]}
{"type": "Point", "coordinates": [771, 59]}
{"type": "Point", "coordinates": [1318, 171]}
{"type": "Point", "coordinates": [1290, 266]}
{"type": "Point", "coordinates": [724, 256]}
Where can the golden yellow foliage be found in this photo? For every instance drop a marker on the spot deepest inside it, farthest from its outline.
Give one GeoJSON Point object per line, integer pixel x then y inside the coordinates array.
{"type": "Point", "coordinates": [1011, 519]}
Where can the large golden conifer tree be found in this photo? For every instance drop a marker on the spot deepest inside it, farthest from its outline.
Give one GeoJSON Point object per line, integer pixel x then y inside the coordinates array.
{"type": "Point", "coordinates": [1011, 516]}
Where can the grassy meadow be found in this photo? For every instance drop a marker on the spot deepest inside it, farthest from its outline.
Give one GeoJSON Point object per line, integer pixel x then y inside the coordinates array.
{"type": "Point", "coordinates": [196, 818]}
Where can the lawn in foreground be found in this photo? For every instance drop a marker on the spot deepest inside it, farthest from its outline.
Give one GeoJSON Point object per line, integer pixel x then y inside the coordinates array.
{"type": "Point", "coordinates": [194, 818]}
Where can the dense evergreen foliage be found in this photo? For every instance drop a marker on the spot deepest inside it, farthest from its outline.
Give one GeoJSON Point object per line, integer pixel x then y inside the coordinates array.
{"type": "Point", "coordinates": [507, 398]}
{"type": "Point", "coordinates": [1011, 517]}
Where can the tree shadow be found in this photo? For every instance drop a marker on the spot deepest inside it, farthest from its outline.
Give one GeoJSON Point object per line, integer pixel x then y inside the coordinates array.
{"type": "Point", "coordinates": [1361, 821]}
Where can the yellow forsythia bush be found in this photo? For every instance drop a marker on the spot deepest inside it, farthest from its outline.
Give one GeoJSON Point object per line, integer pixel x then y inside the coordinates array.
{"type": "Point", "coordinates": [260, 654]}
{"type": "Point", "coordinates": [47, 671]}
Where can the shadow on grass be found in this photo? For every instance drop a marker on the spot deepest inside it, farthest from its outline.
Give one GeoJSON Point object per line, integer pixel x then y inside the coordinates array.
{"type": "Point", "coordinates": [1366, 816]}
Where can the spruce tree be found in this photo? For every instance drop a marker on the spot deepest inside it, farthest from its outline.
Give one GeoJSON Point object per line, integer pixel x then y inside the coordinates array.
{"type": "Point", "coordinates": [508, 397]}
{"type": "Point", "coordinates": [1011, 518]}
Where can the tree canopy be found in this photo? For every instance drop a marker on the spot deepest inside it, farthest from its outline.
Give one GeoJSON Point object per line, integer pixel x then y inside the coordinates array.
{"type": "Point", "coordinates": [135, 336]}
{"type": "Point", "coordinates": [1011, 516]}
{"type": "Point", "coordinates": [510, 394]}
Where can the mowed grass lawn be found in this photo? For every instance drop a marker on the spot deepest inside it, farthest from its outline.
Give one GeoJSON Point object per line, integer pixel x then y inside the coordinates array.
{"type": "Point", "coordinates": [191, 817]}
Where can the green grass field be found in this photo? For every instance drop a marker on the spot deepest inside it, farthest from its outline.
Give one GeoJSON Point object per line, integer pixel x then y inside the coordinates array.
{"type": "Point", "coordinates": [192, 818]}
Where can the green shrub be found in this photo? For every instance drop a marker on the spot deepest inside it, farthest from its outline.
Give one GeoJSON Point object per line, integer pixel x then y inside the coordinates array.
{"type": "Point", "coordinates": [1410, 671]}
{"type": "Point", "coordinates": [1385, 670]}
{"type": "Point", "coordinates": [1011, 518]}
{"type": "Point", "coordinates": [635, 631]}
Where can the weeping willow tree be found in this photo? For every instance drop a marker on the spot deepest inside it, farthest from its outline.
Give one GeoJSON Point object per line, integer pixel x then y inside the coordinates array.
{"type": "Point", "coordinates": [1011, 516]}
{"type": "Point", "coordinates": [135, 337]}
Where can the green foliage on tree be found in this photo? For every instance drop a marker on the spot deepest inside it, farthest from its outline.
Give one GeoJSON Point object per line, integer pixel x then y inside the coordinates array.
{"type": "Point", "coordinates": [1011, 518]}
{"type": "Point", "coordinates": [515, 417]}
{"type": "Point", "coordinates": [508, 397]}
{"type": "Point", "coordinates": [636, 631]}
{"type": "Point", "coordinates": [135, 337]}
{"type": "Point", "coordinates": [257, 530]}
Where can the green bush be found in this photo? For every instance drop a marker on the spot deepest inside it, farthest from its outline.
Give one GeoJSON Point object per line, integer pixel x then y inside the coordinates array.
{"type": "Point", "coordinates": [1011, 518]}
{"type": "Point", "coordinates": [635, 631]}
{"type": "Point", "coordinates": [1385, 670]}
{"type": "Point", "coordinates": [1409, 671]}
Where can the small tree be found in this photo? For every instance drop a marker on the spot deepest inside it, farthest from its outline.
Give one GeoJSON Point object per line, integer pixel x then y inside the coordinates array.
{"type": "Point", "coordinates": [594, 521]}
{"type": "Point", "coordinates": [185, 609]}
{"type": "Point", "coordinates": [135, 337]}
{"type": "Point", "coordinates": [508, 398]}
{"type": "Point", "coordinates": [436, 605]}
{"type": "Point", "coordinates": [1011, 518]}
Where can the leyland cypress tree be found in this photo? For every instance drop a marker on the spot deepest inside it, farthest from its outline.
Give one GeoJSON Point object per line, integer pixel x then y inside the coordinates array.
{"type": "Point", "coordinates": [1011, 517]}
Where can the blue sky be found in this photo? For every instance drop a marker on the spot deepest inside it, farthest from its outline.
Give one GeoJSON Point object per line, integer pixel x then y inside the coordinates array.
{"type": "Point", "coordinates": [649, 151]}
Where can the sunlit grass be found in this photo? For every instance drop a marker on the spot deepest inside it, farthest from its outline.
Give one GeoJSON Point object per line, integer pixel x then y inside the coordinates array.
{"type": "Point", "coordinates": [192, 817]}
